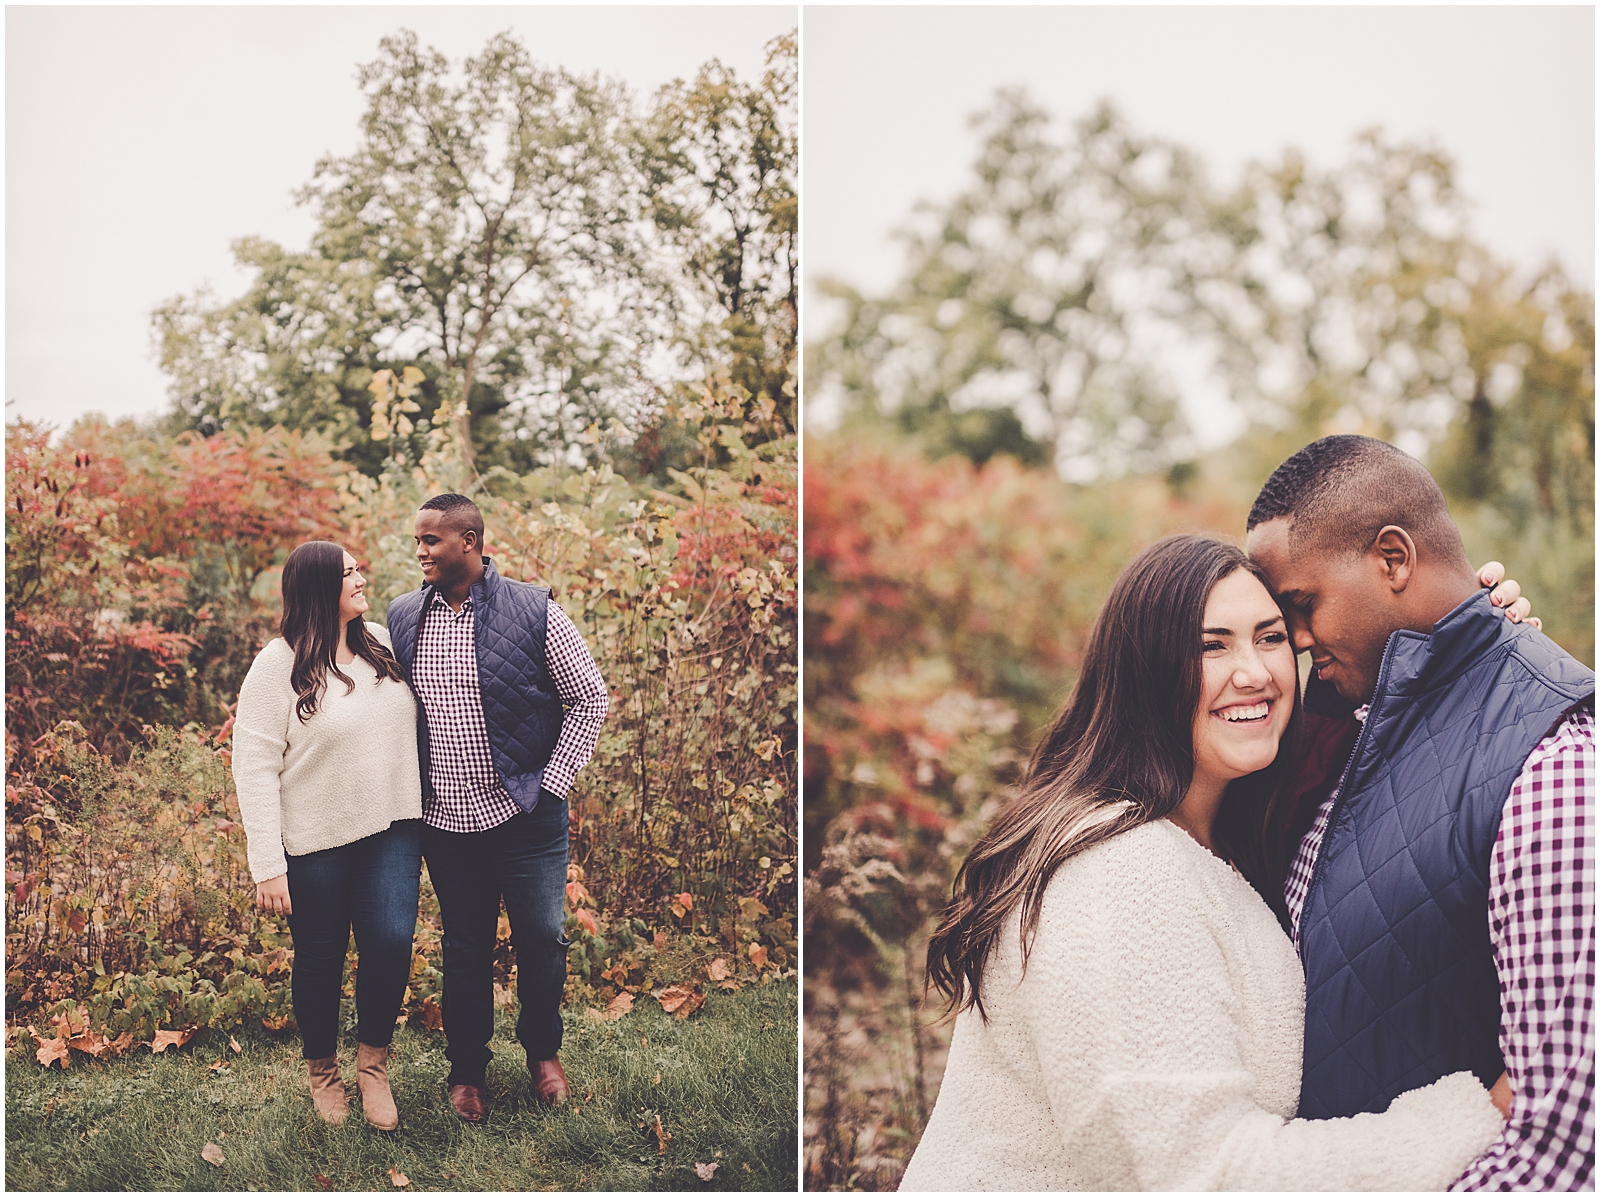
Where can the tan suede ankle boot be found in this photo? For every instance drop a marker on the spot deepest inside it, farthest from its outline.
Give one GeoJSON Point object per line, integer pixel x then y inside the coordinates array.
{"type": "Point", "coordinates": [372, 1078]}
{"type": "Point", "coordinates": [327, 1089]}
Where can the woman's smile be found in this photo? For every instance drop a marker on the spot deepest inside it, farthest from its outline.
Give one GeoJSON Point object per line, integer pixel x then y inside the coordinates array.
{"type": "Point", "coordinates": [1255, 712]}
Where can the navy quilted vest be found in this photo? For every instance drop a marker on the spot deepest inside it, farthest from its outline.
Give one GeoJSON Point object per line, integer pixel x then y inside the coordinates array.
{"type": "Point", "coordinates": [1400, 980]}
{"type": "Point", "coordinates": [521, 707]}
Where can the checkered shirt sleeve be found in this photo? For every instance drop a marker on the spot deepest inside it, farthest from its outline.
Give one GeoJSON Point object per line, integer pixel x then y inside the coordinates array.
{"type": "Point", "coordinates": [1541, 923]}
{"type": "Point", "coordinates": [583, 693]}
{"type": "Point", "coordinates": [468, 794]}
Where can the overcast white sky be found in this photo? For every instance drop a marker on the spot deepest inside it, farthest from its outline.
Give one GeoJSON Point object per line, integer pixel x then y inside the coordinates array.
{"type": "Point", "coordinates": [1508, 91]}
{"type": "Point", "coordinates": [140, 141]}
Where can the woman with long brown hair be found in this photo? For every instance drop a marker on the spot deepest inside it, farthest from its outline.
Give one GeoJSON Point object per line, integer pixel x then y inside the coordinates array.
{"type": "Point", "coordinates": [330, 794]}
{"type": "Point", "coordinates": [1128, 1010]}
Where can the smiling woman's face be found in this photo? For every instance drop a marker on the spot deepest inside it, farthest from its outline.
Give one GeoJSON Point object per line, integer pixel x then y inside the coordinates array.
{"type": "Point", "coordinates": [1247, 681]}
{"type": "Point", "coordinates": [352, 599]}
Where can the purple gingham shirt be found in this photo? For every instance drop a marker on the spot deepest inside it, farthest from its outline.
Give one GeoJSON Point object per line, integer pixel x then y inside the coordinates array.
{"type": "Point", "coordinates": [1541, 927]}
{"type": "Point", "coordinates": [468, 794]}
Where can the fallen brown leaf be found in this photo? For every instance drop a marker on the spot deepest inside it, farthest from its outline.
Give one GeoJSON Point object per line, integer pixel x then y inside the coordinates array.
{"type": "Point", "coordinates": [430, 1017]}
{"type": "Point", "coordinates": [166, 1039]}
{"type": "Point", "coordinates": [718, 969]}
{"type": "Point", "coordinates": [663, 1136]}
{"type": "Point", "coordinates": [618, 1006]}
{"type": "Point", "coordinates": [679, 1001]}
{"type": "Point", "coordinates": [657, 1081]}
{"type": "Point", "coordinates": [217, 1067]}
{"type": "Point", "coordinates": [758, 956]}
{"type": "Point", "coordinates": [122, 1043]}
{"type": "Point", "coordinates": [234, 1043]}
{"type": "Point", "coordinates": [90, 1043]}
{"type": "Point", "coordinates": [212, 1154]}
{"type": "Point", "coordinates": [323, 1181]}
{"type": "Point", "coordinates": [51, 1050]}
{"type": "Point", "coordinates": [705, 1171]}
{"type": "Point", "coordinates": [398, 1178]}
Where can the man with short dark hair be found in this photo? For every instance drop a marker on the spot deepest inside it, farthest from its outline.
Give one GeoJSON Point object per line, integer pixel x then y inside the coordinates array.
{"type": "Point", "coordinates": [493, 662]}
{"type": "Point", "coordinates": [1442, 898]}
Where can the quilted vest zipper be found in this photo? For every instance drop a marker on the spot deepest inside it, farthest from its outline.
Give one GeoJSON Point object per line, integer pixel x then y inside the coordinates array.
{"type": "Point", "coordinates": [1343, 791]}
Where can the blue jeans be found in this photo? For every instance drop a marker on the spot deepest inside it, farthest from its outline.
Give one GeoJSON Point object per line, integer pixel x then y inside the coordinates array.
{"type": "Point", "coordinates": [370, 885]}
{"type": "Point", "coordinates": [524, 861]}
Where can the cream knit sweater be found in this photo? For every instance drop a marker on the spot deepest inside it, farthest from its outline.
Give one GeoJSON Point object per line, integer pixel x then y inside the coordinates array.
{"type": "Point", "coordinates": [347, 772]}
{"type": "Point", "coordinates": [1154, 1043]}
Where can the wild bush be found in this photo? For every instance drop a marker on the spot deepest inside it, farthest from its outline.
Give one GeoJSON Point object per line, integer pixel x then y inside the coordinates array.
{"type": "Point", "coordinates": [132, 571]}
{"type": "Point", "coordinates": [129, 901]}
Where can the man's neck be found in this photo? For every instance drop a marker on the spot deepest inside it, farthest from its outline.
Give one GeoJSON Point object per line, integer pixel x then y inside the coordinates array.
{"type": "Point", "coordinates": [457, 594]}
{"type": "Point", "coordinates": [1440, 596]}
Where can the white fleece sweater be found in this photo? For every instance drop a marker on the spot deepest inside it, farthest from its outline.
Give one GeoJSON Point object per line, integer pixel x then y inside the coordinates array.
{"type": "Point", "coordinates": [1154, 1043]}
{"type": "Point", "coordinates": [347, 772]}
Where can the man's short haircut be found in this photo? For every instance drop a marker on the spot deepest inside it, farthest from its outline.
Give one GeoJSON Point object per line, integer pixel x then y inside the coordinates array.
{"type": "Point", "coordinates": [461, 511]}
{"type": "Point", "coordinates": [1339, 492]}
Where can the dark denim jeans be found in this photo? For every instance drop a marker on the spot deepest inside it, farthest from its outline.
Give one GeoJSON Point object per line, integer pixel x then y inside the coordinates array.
{"type": "Point", "coordinates": [370, 885]}
{"type": "Point", "coordinates": [524, 861]}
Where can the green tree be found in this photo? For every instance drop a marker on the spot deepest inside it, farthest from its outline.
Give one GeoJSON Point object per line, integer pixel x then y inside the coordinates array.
{"type": "Point", "coordinates": [1048, 297]}
{"type": "Point", "coordinates": [1048, 287]}
{"type": "Point", "coordinates": [722, 156]}
{"type": "Point", "coordinates": [485, 230]}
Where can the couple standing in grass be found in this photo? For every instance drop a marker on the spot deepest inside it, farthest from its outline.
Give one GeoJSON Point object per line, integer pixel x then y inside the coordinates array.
{"type": "Point", "coordinates": [445, 739]}
{"type": "Point", "coordinates": [1226, 938]}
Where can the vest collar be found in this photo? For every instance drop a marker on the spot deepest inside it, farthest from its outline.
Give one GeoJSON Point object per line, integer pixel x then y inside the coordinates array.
{"type": "Point", "coordinates": [1417, 663]}
{"type": "Point", "coordinates": [483, 590]}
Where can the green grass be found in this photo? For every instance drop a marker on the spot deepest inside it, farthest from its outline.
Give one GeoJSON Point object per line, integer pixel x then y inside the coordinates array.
{"type": "Point", "coordinates": [725, 1094]}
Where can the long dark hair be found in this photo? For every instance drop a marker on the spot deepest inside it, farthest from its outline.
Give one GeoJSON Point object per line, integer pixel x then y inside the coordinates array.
{"type": "Point", "coordinates": [1120, 753]}
{"type": "Point", "coordinates": [313, 580]}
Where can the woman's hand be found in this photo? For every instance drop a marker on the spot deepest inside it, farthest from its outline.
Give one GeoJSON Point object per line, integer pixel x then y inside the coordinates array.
{"type": "Point", "coordinates": [273, 896]}
{"type": "Point", "coordinates": [1508, 594]}
{"type": "Point", "coordinates": [1501, 1093]}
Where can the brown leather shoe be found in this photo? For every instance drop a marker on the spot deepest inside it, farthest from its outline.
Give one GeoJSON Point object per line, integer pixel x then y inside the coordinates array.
{"type": "Point", "coordinates": [372, 1079]}
{"type": "Point", "coordinates": [468, 1101]}
{"type": "Point", "coordinates": [549, 1081]}
{"type": "Point", "coordinates": [327, 1089]}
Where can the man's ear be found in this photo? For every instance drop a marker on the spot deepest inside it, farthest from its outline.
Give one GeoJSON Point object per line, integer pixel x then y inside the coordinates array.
{"type": "Point", "coordinates": [1397, 554]}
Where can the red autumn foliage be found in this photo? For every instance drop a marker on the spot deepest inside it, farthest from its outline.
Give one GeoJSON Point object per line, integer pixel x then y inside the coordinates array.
{"type": "Point", "coordinates": [120, 551]}
{"type": "Point", "coordinates": [932, 585]}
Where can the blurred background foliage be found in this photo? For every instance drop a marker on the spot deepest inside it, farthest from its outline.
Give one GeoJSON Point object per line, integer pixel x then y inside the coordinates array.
{"type": "Point", "coordinates": [1009, 432]}
{"type": "Point", "coordinates": [527, 287]}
